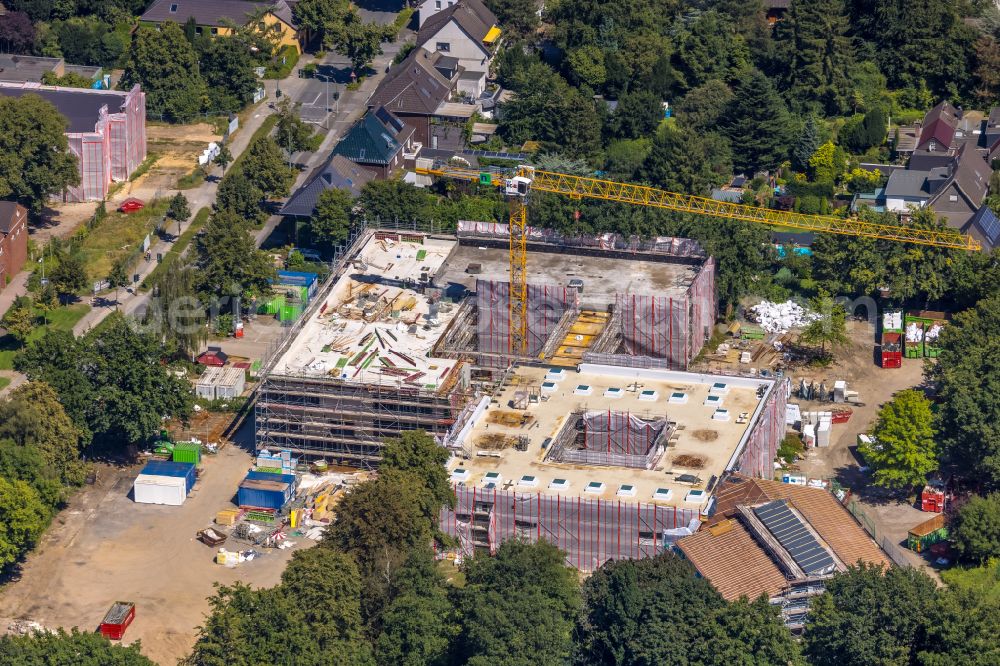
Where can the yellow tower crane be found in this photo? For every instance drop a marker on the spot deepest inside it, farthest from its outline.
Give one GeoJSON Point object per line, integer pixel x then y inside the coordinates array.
{"type": "Point", "coordinates": [518, 183]}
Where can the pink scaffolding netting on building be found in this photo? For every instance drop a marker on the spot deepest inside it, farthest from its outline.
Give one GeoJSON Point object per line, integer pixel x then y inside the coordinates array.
{"type": "Point", "coordinates": [589, 531]}
{"type": "Point", "coordinates": [546, 306]}
{"type": "Point", "coordinates": [609, 438]}
{"type": "Point", "coordinates": [757, 457]}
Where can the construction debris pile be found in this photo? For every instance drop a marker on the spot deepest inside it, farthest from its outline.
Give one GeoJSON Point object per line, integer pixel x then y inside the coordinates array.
{"type": "Point", "coordinates": [780, 317]}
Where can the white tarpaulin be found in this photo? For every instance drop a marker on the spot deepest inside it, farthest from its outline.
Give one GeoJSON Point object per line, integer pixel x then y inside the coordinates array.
{"type": "Point", "coordinates": [774, 317]}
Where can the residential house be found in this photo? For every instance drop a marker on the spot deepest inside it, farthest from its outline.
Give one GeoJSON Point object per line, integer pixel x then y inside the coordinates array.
{"type": "Point", "coordinates": [985, 228]}
{"type": "Point", "coordinates": [468, 32]}
{"type": "Point", "coordinates": [378, 142]}
{"type": "Point", "coordinates": [429, 8]}
{"type": "Point", "coordinates": [955, 192]}
{"type": "Point", "coordinates": [991, 136]}
{"type": "Point", "coordinates": [945, 128]}
{"type": "Point", "coordinates": [13, 240]}
{"type": "Point", "coordinates": [777, 539]}
{"type": "Point", "coordinates": [338, 172]}
{"type": "Point", "coordinates": [418, 92]}
{"type": "Point", "coordinates": [26, 68]}
{"type": "Point", "coordinates": [106, 131]}
{"type": "Point", "coordinates": [218, 17]}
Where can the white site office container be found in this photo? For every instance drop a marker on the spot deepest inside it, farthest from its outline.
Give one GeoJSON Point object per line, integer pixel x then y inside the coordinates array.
{"type": "Point", "coordinates": [205, 387]}
{"type": "Point", "coordinates": [150, 489]}
{"type": "Point", "coordinates": [230, 383]}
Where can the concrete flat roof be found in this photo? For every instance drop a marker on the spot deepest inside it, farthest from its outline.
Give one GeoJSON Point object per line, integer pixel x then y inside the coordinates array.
{"type": "Point", "coordinates": [699, 445]}
{"type": "Point", "coordinates": [372, 327]}
{"type": "Point", "coordinates": [603, 277]}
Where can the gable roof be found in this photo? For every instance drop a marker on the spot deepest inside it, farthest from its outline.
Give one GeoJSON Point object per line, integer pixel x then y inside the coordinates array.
{"type": "Point", "coordinates": [374, 139]}
{"type": "Point", "coordinates": [827, 516]}
{"type": "Point", "coordinates": [472, 16]}
{"type": "Point", "coordinates": [971, 174]}
{"type": "Point", "coordinates": [11, 213]}
{"type": "Point", "coordinates": [413, 86]}
{"type": "Point", "coordinates": [733, 562]}
{"type": "Point", "coordinates": [985, 227]}
{"type": "Point", "coordinates": [939, 126]}
{"type": "Point", "coordinates": [337, 172]}
{"type": "Point", "coordinates": [910, 183]}
{"type": "Point", "coordinates": [215, 12]}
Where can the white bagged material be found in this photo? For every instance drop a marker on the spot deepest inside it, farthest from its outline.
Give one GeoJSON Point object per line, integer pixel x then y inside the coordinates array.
{"type": "Point", "coordinates": [775, 317]}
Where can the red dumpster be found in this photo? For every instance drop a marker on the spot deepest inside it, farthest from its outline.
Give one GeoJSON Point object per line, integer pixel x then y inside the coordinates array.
{"type": "Point", "coordinates": [117, 619]}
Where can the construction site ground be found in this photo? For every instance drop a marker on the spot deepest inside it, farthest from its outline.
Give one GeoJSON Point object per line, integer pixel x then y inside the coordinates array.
{"type": "Point", "coordinates": [855, 363]}
{"type": "Point", "coordinates": [104, 548]}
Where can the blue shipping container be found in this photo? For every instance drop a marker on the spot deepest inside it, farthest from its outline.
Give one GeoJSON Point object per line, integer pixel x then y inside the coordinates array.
{"type": "Point", "coordinates": [265, 490]}
{"type": "Point", "coordinates": [169, 468]}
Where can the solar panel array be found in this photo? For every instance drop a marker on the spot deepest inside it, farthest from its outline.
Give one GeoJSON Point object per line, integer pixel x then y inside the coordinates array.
{"type": "Point", "coordinates": [793, 536]}
{"type": "Point", "coordinates": [990, 225]}
{"type": "Point", "coordinates": [496, 155]}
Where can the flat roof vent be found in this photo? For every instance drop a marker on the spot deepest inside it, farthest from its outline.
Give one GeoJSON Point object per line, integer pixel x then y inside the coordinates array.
{"type": "Point", "coordinates": [626, 490]}
{"type": "Point", "coordinates": [694, 497]}
{"type": "Point", "coordinates": [719, 388]}
{"type": "Point", "coordinates": [595, 487]}
{"type": "Point", "coordinates": [663, 494]}
{"type": "Point", "coordinates": [720, 415]}
{"type": "Point", "coordinates": [713, 400]}
{"type": "Point", "coordinates": [460, 474]}
{"type": "Point", "coordinates": [491, 479]}
{"type": "Point", "coordinates": [613, 392]}
{"type": "Point", "coordinates": [528, 481]}
{"type": "Point", "coordinates": [678, 398]}
{"type": "Point", "coordinates": [583, 389]}
{"type": "Point", "coordinates": [649, 395]}
{"type": "Point", "coordinates": [558, 484]}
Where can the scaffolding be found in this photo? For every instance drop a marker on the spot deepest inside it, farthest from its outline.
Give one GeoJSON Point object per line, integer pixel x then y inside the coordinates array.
{"type": "Point", "coordinates": [755, 455]}
{"type": "Point", "coordinates": [589, 531]}
{"type": "Point", "coordinates": [547, 307]}
{"type": "Point", "coordinates": [346, 422]}
{"type": "Point", "coordinates": [610, 438]}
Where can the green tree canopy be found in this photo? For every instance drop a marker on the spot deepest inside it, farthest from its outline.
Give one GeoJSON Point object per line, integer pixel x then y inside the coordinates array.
{"type": "Point", "coordinates": [239, 195]}
{"type": "Point", "coordinates": [19, 320]}
{"type": "Point", "coordinates": [757, 124]}
{"type": "Point", "coordinates": [967, 377]}
{"type": "Point", "coordinates": [227, 65]}
{"type": "Point", "coordinates": [975, 528]}
{"type": "Point", "coordinates": [164, 63]}
{"type": "Point", "coordinates": [291, 133]}
{"type": "Point", "coordinates": [34, 417]}
{"type": "Point", "coordinates": [829, 327]}
{"type": "Point", "coordinates": [638, 115]}
{"type": "Point", "coordinates": [179, 209]}
{"type": "Point", "coordinates": [23, 516]}
{"type": "Point", "coordinates": [681, 160]}
{"type": "Point", "coordinates": [228, 258]}
{"type": "Point", "coordinates": [68, 649]}
{"type": "Point", "coordinates": [264, 165]}
{"type": "Point", "coordinates": [904, 451]}
{"type": "Point", "coordinates": [36, 160]}
{"type": "Point", "coordinates": [330, 223]}
{"type": "Point", "coordinates": [820, 55]}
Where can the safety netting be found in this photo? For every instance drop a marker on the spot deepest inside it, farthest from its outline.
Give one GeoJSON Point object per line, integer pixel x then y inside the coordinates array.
{"type": "Point", "coordinates": [546, 306]}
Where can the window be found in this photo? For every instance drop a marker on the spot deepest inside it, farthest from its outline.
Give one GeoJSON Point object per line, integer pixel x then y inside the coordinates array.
{"type": "Point", "coordinates": [437, 5]}
{"type": "Point", "coordinates": [173, 9]}
{"type": "Point", "coordinates": [197, 30]}
{"type": "Point", "coordinates": [953, 197]}
{"type": "Point", "coordinates": [215, 31]}
{"type": "Point", "coordinates": [443, 46]}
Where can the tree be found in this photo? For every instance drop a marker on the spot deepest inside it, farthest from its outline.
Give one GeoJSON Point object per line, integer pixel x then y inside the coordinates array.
{"type": "Point", "coordinates": [118, 278]}
{"type": "Point", "coordinates": [290, 132]}
{"type": "Point", "coordinates": [316, 15]}
{"type": "Point", "coordinates": [33, 417]}
{"type": "Point", "coordinates": [67, 80]}
{"type": "Point", "coordinates": [961, 629]}
{"type": "Point", "coordinates": [17, 33]}
{"type": "Point", "coordinates": [227, 65]}
{"type": "Point", "coordinates": [863, 132]}
{"type": "Point", "coordinates": [820, 55]}
{"type": "Point", "coordinates": [967, 378]}
{"type": "Point", "coordinates": [264, 165]}
{"type": "Point", "coordinates": [644, 612]}
{"type": "Point", "coordinates": [586, 66]}
{"type": "Point", "coordinates": [987, 69]}
{"type": "Point", "coordinates": [224, 158]}
{"type": "Point", "coordinates": [638, 114]}
{"type": "Point", "coordinates": [518, 17]}
{"type": "Point", "coordinates": [179, 209]}
{"type": "Point", "coordinates": [828, 163]}
{"type": "Point", "coordinates": [239, 195]}
{"type": "Point", "coordinates": [37, 161]}
{"type": "Point", "coordinates": [69, 277]}
{"type": "Point", "coordinates": [706, 49]}
{"type": "Point", "coordinates": [869, 615]}
{"type": "Point", "coordinates": [682, 161]}
{"type": "Point", "coordinates": [391, 200]}
{"type": "Point", "coordinates": [55, 359]}
{"type": "Point", "coordinates": [975, 528]}
{"type": "Point", "coordinates": [175, 314]}
{"type": "Point", "coordinates": [416, 453]}
{"type": "Point", "coordinates": [19, 320]}
{"type": "Point", "coordinates": [829, 327]}
{"type": "Point", "coordinates": [704, 107]}
{"type": "Point", "coordinates": [354, 38]}
{"type": "Point", "coordinates": [806, 145]}
{"type": "Point", "coordinates": [66, 649]}
{"type": "Point", "coordinates": [904, 450]}
{"type": "Point", "coordinates": [164, 63]}
{"type": "Point", "coordinates": [758, 125]}
{"type": "Point", "coordinates": [533, 626]}
{"type": "Point", "coordinates": [420, 624]}
{"type": "Point", "coordinates": [23, 516]}
{"type": "Point", "coordinates": [331, 221]}
{"type": "Point", "coordinates": [230, 262]}
{"type": "Point", "coordinates": [746, 632]}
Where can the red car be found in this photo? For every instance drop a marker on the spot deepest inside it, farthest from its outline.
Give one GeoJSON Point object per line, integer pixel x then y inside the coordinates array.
{"type": "Point", "coordinates": [130, 206]}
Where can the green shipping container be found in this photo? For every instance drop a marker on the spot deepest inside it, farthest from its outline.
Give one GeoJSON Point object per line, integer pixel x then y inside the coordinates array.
{"type": "Point", "coordinates": [913, 349]}
{"type": "Point", "coordinates": [289, 312]}
{"type": "Point", "coordinates": [272, 307]}
{"type": "Point", "coordinates": [188, 452]}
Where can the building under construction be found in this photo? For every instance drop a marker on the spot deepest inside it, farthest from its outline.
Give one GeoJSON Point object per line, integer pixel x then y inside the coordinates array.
{"type": "Point", "coordinates": [596, 437]}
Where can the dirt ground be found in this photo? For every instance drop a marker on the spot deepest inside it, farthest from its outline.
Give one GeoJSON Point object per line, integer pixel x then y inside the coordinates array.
{"type": "Point", "coordinates": [104, 548]}
{"type": "Point", "coordinates": [258, 336]}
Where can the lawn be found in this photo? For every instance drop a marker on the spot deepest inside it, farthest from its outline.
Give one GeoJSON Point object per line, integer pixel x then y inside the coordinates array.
{"type": "Point", "coordinates": [4, 382]}
{"type": "Point", "coordinates": [63, 318]}
{"type": "Point", "coordinates": [984, 579]}
{"type": "Point", "coordinates": [118, 236]}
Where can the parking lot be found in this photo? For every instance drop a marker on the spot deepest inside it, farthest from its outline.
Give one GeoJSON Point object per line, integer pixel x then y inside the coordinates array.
{"type": "Point", "coordinates": [105, 548]}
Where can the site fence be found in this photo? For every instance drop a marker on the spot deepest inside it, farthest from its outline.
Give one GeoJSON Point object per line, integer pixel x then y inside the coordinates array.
{"type": "Point", "coordinates": [894, 552]}
{"type": "Point", "coordinates": [589, 531]}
